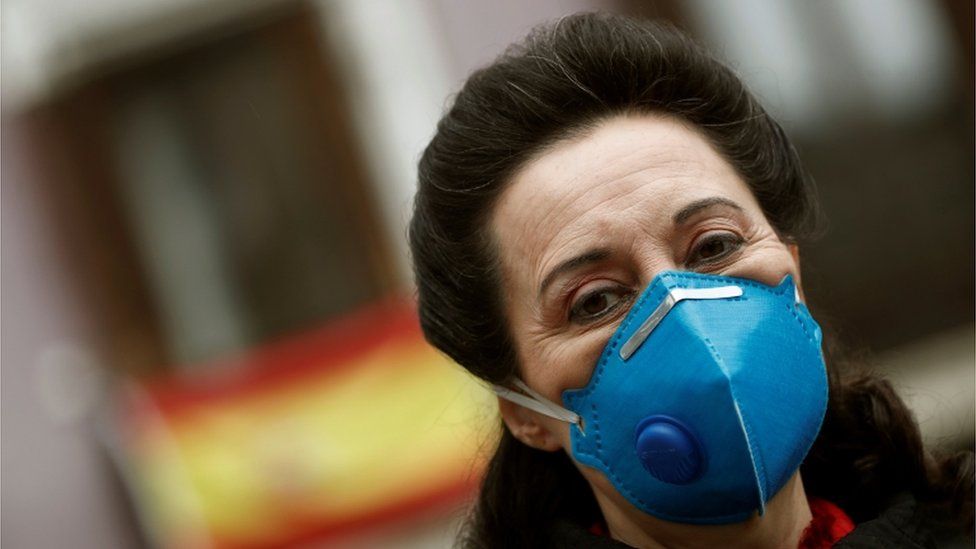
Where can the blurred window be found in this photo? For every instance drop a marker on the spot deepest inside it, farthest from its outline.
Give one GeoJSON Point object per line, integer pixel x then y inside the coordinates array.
{"type": "Point", "coordinates": [233, 172]}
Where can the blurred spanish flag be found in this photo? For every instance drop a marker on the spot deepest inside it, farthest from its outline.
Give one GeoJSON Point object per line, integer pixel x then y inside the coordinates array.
{"type": "Point", "coordinates": [357, 424]}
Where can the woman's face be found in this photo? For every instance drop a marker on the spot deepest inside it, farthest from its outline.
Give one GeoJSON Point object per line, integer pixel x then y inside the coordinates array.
{"type": "Point", "coordinates": [584, 227]}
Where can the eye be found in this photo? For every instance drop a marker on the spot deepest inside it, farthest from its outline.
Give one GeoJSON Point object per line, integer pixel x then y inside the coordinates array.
{"type": "Point", "coordinates": [714, 247]}
{"type": "Point", "coordinates": [598, 303]}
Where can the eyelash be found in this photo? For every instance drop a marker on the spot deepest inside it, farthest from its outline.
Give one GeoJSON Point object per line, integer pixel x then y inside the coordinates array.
{"type": "Point", "coordinates": [728, 237]}
{"type": "Point", "coordinates": [733, 240]}
{"type": "Point", "coordinates": [623, 293]}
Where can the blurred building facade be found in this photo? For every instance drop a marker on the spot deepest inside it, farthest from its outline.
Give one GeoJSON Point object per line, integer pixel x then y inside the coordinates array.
{"type": "Point", "coordinates": [184, 180]}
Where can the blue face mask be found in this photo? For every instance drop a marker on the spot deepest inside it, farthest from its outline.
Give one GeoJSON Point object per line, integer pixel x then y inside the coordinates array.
{"type": "Point", "coordinates": [704, 402]}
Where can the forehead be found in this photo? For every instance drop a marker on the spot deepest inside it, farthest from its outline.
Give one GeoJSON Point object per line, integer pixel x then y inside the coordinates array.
{"type": "Point", "coordinates": [625, 177]}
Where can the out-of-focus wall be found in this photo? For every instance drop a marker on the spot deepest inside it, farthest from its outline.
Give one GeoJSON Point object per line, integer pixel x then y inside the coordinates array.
{"type": "Point", "coordinates": [58, 487]}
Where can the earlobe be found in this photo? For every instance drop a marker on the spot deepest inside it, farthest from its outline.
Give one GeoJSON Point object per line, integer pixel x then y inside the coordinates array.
{"type": "Point", "coordinates": [528, 427]}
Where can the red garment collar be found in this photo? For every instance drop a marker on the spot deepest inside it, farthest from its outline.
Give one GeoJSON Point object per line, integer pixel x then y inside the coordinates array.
{"type": "Point", "coordinates": [829, 524]}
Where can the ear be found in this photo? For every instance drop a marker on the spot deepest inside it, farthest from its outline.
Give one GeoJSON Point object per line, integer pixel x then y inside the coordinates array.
{"type": "Point", "coordinates": [531, 428]}
{"type": "Point", "coordinates": [795, 252]}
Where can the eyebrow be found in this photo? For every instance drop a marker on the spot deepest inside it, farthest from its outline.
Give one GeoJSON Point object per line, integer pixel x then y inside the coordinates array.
{"type": "Point", "coordinates": [691, 209]}
{"type": "Point", "coordinates": [599, 254]}
{"type": "Point", "coordinates": [590, 256]}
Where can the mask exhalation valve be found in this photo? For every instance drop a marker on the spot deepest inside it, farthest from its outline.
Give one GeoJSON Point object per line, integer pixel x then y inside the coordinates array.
{"type": "Point", "coordinates": [669, 450]}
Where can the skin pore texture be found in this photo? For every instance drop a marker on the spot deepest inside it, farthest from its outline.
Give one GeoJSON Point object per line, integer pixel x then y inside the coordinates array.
{"type": "Point", "coordinates": [580, 231]}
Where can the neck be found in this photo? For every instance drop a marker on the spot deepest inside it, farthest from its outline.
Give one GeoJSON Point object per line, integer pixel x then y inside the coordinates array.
{"type": "Point", "coordinates": [787, 515]}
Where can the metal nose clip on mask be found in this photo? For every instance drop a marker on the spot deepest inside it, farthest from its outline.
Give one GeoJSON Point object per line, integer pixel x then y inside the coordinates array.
{"type": "Point", "coordinates": [704, 402]}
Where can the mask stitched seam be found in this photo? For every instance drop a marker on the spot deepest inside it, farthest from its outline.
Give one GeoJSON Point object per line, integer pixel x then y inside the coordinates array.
{"type": "Point", "coordinates": [758, 285]}
{"type": "Point", "coordinates": [596, 432]}
{"type": "Point", "coordinates": [598, 375]}
{"type": "Point", "coordinates": [660, 514]}
{"type": "Point", "coordinates": [637, 309]}
{"type": "Point", "coordinates": [810, 439]}
{"type": "Point", "coordinates": [792, 309]}
{"type": "Point", "coordinates": [608, 352]}
{"type": "Point", "coordinates": [636, 312]}
{"type": "Point", "coordinates": [608, 469]}
{"type": "Point", "coordinates": [635, 497]}
{"type": "Point", "coordinates": [755, 457]}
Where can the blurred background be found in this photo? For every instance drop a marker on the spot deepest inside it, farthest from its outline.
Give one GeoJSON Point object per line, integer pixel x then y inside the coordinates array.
{"type": "Point", "coordinates": [207, 336]}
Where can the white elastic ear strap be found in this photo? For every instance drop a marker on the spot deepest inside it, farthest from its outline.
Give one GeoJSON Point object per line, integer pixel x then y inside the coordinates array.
{"type": "Point", "coordinates": [536, 402]}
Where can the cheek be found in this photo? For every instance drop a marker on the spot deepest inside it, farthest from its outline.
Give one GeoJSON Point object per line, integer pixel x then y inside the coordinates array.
{"type": "Point", "coordinates": [553, 365]}
{"type": "Point", "coordinates": [556, 363]}
{"type": "Point", "coordinates": [767, 261]}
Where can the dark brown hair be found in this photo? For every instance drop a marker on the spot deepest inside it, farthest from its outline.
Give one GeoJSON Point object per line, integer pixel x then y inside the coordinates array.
{"type": "Point", "coordinates": [561, 80]}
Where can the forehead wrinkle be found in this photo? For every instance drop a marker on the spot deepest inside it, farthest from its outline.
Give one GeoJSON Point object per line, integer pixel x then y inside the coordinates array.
{"type": "Point", "coordinates": [543, 253]}
{"type": "Point", "coordinates": [577, 169]}
{"type": "Point", "coordinates": [588, 230]}
{"type": "Point", "coordinates": [583, 185]}
{"type": "Point", "coordinates": [581, 190]}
